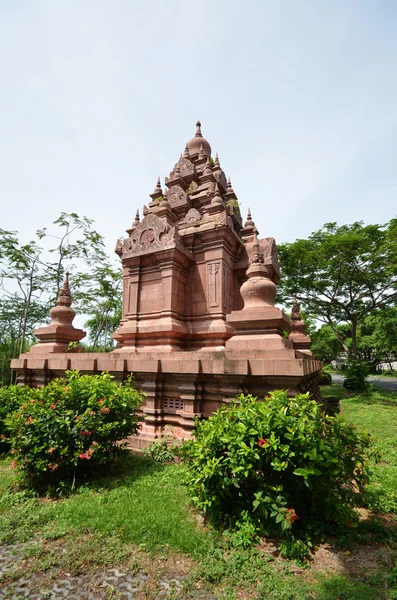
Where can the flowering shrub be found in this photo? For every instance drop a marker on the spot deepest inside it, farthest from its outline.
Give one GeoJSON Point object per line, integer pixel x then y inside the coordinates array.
{"type": "Point", "coordinates": [281, 465]}
{"type": "Point", "coordinates": [70, 424]}
{"type": "Point", "coordinates": [11, 398]}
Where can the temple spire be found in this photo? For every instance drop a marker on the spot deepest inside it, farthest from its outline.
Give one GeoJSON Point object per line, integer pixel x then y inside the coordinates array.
{"type": "Point", "coordinates": [198, 130]}
{"type": "Point", "coordinates": [186, 152]}
{"type": "Point", "coordinates": [217, 164]}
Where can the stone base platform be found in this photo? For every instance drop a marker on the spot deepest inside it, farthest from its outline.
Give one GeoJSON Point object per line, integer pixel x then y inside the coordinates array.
{"type": "Point", "coordinates": [184, 385]}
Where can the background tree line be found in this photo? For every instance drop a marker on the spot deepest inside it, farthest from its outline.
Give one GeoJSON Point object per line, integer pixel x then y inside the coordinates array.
{"type": "Point", "coordinates": [344, 277]}
{"type": "Point", "coordinates": [31, 275]}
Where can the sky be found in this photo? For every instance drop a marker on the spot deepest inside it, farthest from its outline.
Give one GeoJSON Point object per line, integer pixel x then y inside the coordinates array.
{"type": "Point", "coordinates": [98, 98]}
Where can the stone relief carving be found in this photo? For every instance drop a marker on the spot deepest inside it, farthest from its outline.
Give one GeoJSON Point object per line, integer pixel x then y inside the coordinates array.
{"type": "Point", "coordinates": [186, 168]}
{"type": "Point", "coordinates": [212, 283]}
{"type": "Point", "coordinates": [192, 216]}
{"type": "Point", "coordinates": [151, 234]}
{"type": "Point", "coordinates": [177, 196]}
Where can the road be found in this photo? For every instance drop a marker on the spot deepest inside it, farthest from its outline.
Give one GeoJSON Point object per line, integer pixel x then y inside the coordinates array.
{"type": "Point", "coordinates": [383, 383]}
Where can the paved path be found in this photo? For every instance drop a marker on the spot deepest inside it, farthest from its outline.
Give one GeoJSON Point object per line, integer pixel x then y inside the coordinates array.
{"type": "Point", "coordinates": [383, 383]}
{"type": "Point", "coordinates": [102, 584]}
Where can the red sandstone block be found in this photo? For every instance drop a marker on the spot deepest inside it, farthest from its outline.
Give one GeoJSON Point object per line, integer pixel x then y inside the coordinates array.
{"type": "Point", "coordinates": [261, 367]}
{"type": "Point", "coordinates": [58, 364]}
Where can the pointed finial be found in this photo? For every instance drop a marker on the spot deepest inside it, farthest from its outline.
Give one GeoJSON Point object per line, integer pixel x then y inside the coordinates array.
{"type": "Point", "coordinates": [256, 256]}
{"type": "Point", "coordinates": [249, 225]}
{"type": "Point", "coordinates": [229, 189]}
{"type": "Point", "coordinates": [186, 152]}
{"type": "Point", "coordinates": [136, 217]}
{"type": "Point", "coordinates": [295, 315]}
{"type": "Point", "coordinates": [217, 164]}
{"type": "Point", "coordinates": [208, 169]}
{"type": "Point", "coordinates": [145, 210]}
{"type": "Point", "coordinates": [64, 292]}
{"type": "Point", "coordinates": [198, 129]}
{"type": "Point", "coordinates": [217, 199]}
{"type": "Point", "coordinates": [157, 190]}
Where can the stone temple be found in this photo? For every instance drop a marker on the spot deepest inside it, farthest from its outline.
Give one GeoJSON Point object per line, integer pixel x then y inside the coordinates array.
{"type": "Point", "coordinates": [199, 323]}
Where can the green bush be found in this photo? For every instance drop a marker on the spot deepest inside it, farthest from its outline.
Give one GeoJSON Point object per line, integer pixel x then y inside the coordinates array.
{"type": "Point", "coordinates": [70, 425]}
{"type": "Point", "coordinates": [165, 449]}
{"type": "Point", "coordinates": [325, 378]}
{"type": "Point", "coordinates": [280, 465]}
{"type": "Point", "coordinates": [11, 398]}
{"type": "Point", "coordinates": [357, 376]}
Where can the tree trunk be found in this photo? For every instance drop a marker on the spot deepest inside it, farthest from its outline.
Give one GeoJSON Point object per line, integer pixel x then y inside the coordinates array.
{"type": "Point", "coordinates": [354, 338]}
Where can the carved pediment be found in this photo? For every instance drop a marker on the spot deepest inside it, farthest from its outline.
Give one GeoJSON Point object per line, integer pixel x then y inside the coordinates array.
{"type": "Point", "coordinates": [177, 196]}
{"type": "Point", "coordinates": [192, 216]}
{"type": "Point", "coordinates": [153, 233]}
{"type": "Point", "coordinates": [186, 168]}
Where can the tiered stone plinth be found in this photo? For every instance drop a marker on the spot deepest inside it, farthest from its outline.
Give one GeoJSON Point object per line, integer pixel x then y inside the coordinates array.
{"type": "Point", "coordinates": [184, 385]}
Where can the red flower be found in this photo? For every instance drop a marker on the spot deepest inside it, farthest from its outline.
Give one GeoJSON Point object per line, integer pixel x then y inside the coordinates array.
{"type": "Point", "coordinates": [104, 409]}
{"type": "Point", "coordinates": [51, 450]}
{"type": "Point", "coordinates": [53, 406]}
{"type": "Point", "coordinates": [263, 442]}
{"type": "Point", "coordinates": [30, 420]}
{"type": "Point", "coordinates": [86, 455]}
{"type": "Point", "coordinates": [66, 389]}
{"type": "Point", "coordinates": [348, 524]}
{"type": "Point", "coordinates": [86, 433]}
{"type": "Point", "coordinates": [101, 400]}
{"type": "Point", "coordinates": [291, 515]}
{"type": "Point", "coordinates": [52, 467]}
{"type": "Point", "coordinates": [14, 464]}
{"type": "Point", "coordinates": [23, 407]}
{"type": "Point", "coordinates": [95, 443]}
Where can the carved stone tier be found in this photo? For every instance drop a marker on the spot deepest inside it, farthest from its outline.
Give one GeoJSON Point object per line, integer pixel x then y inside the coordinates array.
{"type": "Point", "coordinates": [184, 385]}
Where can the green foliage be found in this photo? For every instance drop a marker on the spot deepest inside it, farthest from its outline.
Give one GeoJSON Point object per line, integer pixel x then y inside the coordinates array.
{"type": "Point", "coordinates": [233, 206]}
{"type": "Point", "coordinates": [165, 449]}
{"type": "Point", "coordinates": [325, 344]}
{"type": "Point", "coordinates": [356, 376]}
{"type": "Point", "coordinates": [280, 464]}
{"type": "Point", "coordinates": [341, 274]}
{"type": "Point", "coordinates": [70, 424]}
{"type": "Point", "coordinates": [74, 347]}
{"type": "Point", "coordinates": [325, 377]}
{"type": "Point", "coordinates": [11, 398]}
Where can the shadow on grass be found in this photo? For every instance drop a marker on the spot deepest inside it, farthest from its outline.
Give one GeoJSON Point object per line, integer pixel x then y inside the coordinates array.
{"type": "Point", "coordinates": [130, 468]}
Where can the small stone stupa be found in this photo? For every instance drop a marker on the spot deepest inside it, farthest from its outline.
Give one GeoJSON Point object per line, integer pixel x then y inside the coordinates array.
{"type": "Point", "coordinates": [198, 323]}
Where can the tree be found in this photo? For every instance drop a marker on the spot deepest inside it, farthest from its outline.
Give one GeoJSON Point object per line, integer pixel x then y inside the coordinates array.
{"type": "Point", "coordinates": [98, 295]}
{"type": "Point", "coordinates": [378, 337]}
{"type": "Point", "coordinates": [325, 345]}
{"type": "Point", "coordinates": [342, 273]}
{"type": "Point", "coordinates": [31, 275]}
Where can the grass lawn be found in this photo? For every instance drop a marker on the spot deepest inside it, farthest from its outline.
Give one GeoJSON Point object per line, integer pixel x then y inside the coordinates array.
{"type": "Point", "coordinates": [138, 519]}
